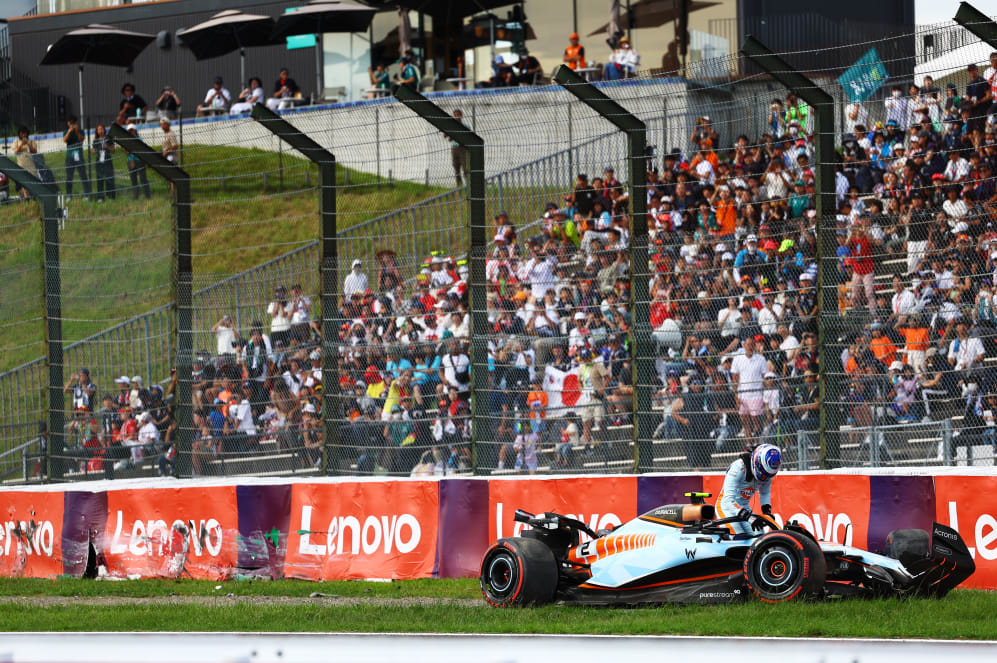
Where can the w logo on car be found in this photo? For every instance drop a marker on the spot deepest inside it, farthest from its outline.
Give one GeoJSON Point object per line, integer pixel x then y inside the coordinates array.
{"type": "Point", "coordinates": [690, 553]}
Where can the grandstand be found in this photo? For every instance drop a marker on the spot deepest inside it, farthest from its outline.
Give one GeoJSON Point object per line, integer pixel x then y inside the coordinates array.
{"type": "Point", "coordinates": [751, 317]}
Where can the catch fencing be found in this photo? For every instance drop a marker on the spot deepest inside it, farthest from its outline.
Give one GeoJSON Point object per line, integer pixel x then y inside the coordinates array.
{"type": "Point", "coordinates": [754, 325]}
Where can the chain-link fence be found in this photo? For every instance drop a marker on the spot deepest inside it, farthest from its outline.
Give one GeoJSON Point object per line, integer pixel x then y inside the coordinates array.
{"type": "Point", "coordinates": [837, 304]}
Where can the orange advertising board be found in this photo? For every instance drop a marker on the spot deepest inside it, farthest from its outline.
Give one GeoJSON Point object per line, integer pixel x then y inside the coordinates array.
{"type": "Point", "coordinates": [599, 502]}
{"type": "Point", "coordinates": [833, 508]}
{"type": "Point", "coordinates": [172, 532]}
{"type": "Point", "coordinates": [346, 531]}
{"type": "Point", "coordinates": [966, 504]}
{"type": "Point", "coordinates": [31, 534]}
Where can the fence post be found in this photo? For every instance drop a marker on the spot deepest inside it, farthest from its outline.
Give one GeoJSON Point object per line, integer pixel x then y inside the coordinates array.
{"type": "Point", "coordinates": [47, 197]}
{"type": "Point", "coordinates": [328, 268]}
{"type": "Point", "coordinates": [183, 277]}
{"type": "Point", "coordinates": [458, 132]}
{"type": "Point", "coordinates": [823, 109]}
{"type": "Point", "coordinates": [642, 351]}
{"type": "Point", "coordinates": [977, 22]}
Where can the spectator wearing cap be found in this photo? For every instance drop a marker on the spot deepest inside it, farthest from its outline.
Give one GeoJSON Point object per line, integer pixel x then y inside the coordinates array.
{"type": "Point", "coordinates": [749, 260]}
{"type": "Point", "coordinates": [135, 393]}
{"type": "Point", "coordinates": [83, 390]}
{"type": "Point", "coordinates": [574, 54]}
{"type": "Point", "coordinates": [216, 100]}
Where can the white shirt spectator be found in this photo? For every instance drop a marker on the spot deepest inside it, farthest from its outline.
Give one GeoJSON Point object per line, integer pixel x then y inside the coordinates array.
{"type": "Point", "coordinates": [225, 339]}
{"type": "Point", "coordinates": [767, 320]}
{"type": "Point", "coordinates": [280, 317]}
{"type": "Point", "coordinates": [256, 96]}
{"type": "Point", "coordinates": [453, 364]}
{"type": "Point", "coordinates": [750, 371]}
{"type": "Point", "coordinates": [956, 170]}
{"type": "Point", "coordinates": [539, 273]}
{"type": "Point", "coordinates": [356, 281]}
{"type": "Point", "coordinates": [217, 99]}
{"type": "Point", "coordinates": [243, 416]}
{"type": "Point", "coordinates": [773, 400]}
{"type": "Point", "coordinates": [903, 302]}
{"type": "Point", "coordinates": [148, 434]}
{"type": "Point", "coordinates": [896, 110]}
{"type": "Point", "coordinates": [966, 352]}
{"type": "Point", "coordinates": [704, 171]}
{"type": "Point", "coordinates": [955, 210]}
{"type": "Point", "coordinates": [855, 113]}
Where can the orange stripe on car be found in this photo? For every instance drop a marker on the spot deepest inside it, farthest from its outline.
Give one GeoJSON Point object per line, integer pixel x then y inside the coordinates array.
{"type": "Point", "coordinates": [657, 584]}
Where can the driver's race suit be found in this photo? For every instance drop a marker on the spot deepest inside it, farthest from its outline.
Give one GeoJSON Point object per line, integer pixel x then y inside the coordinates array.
{"type": "Point", "coordinates": [739, 487]}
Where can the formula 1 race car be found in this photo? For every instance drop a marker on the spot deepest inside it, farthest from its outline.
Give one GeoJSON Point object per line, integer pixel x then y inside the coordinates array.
{"type": "Point", "coordinates": [679, 553]}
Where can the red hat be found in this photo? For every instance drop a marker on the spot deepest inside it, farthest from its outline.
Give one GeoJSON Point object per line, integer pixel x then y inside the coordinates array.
{"type": "Point", "coordinates": [770, 245]}
{"type": "Point", "coordinates": [371, 375]}
{"type": "Point", "coordinates": [759, 338]}
{"type": "Point", "coordinates": [937, 176]}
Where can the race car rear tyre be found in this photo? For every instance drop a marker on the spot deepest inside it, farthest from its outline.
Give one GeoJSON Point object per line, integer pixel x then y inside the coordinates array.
{"type": "Point", "coordinates": [785, 566]}
{"type": "Point", "coordinates": [916, 542]}
{"type": "Point", "coordinates": [518, 572]}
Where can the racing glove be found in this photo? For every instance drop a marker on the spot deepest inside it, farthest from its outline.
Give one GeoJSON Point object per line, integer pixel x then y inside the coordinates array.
{"type": "Point", "coordinates": [767, 510]}
{"type": "Point", "coordinates": [744, 514]}
{"type": "Point", "coordinates": [758, 524]}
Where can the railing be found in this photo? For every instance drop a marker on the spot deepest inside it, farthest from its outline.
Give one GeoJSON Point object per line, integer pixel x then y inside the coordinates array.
{"type": "Point", "coordinates": [25, 460]}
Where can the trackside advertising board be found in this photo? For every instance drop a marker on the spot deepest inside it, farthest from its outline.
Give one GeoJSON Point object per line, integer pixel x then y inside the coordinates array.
{"type": "Point", "coordinates": [424, 528]}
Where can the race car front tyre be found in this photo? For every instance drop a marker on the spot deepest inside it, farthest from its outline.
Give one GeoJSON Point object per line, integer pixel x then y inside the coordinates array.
{"type": "Point", "coordinates": [914, 543]}
{"type": "Point", "coordinates": [518, 572]}
{"type": "Point", "coordinates": [785, 566]}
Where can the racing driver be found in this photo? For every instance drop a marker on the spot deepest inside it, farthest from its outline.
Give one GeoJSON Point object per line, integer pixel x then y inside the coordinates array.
{"type": "Point", "coordinates": [750, 473]}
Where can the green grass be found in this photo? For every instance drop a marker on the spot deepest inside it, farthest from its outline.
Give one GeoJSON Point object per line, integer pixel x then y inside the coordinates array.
{"type": "Point", "coordinates": [964, 614]}
{"type": "Point", "coordinates": [238, 222]}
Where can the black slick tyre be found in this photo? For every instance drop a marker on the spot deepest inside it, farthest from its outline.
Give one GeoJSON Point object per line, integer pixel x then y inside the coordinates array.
{"type": "Point", "coordinates": [518, 572]}
{"type": "Point", "coordinates": [785, 566]}
{"type": "Point", "coordinates": [911, 543]}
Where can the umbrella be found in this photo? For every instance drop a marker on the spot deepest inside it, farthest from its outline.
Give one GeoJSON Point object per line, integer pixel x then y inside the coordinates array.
{"type": "Point", "coordinates": [655, 13]}
{"type": "Point", "coordinates": [228, 31]}
{"type": "Point", "coordinates": [451, 8]}
{"type": "Point", "coordinates": [404, 33]}
{"type": "Point", "coordinates": [613, 29]}
{"type": "Point", "coordinates": [320, 16]}
{"type": "Point", "coordinates": [96, 44]}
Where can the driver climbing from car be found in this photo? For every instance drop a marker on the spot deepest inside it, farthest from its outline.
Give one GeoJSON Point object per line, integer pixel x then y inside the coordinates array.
{"type": "Point", "coordinates": [751, 472]}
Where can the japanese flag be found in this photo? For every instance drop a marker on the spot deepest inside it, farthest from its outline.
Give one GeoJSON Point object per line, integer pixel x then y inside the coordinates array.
{"type": "Point", "coordinates": [563, 388]}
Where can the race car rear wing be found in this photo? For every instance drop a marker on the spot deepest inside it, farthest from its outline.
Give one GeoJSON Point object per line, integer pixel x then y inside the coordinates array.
{"type": "Point", "coordinates": [948, 563]}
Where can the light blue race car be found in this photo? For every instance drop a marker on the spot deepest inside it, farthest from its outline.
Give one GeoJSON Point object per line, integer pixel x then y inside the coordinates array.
{"type": "Point", "coordinates": [680, 553]}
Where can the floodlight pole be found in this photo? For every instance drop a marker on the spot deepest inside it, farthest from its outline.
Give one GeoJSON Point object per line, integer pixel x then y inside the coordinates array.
{"type": "Point", "coordinates": [47, 196]}
{"type": "Point", "coordinates": [328, 269]}
{"type": "Point", "coordinates": [642, 348]}
{"type": "Point", "coordinates": [822, 105]}
{"type": "Point", "coordinates": [456, 131]}
{"type": "Point", "coordinates": [183, 276]}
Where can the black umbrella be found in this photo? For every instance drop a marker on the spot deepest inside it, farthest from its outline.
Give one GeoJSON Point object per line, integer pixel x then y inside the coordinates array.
{"type": "Point", "coordinates": [96, 44]}
{"type": "Point", "coordinates": [451, 8]}
{"type": "Point", "coordinates": [320, 16]}
{"type": "Point", "coordinates": [228, 31]}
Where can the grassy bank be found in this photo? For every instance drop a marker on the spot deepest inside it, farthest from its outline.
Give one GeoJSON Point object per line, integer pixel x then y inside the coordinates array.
{"type": "Point", "coordinates": [249, 206]}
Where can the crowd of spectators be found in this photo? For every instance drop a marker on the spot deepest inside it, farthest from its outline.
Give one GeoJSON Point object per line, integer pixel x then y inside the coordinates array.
{"type": "Point", "coordinates": [917, 257]}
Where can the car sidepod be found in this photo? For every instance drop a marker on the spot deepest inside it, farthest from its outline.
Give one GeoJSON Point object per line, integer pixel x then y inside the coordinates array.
{"type": "Point", "coordinates": [648, 563]}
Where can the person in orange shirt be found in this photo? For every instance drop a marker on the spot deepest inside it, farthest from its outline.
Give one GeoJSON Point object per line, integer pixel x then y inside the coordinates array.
{"type": "Point", "coordinates": [574, 54]}
{"type": "Point", "coordinates": [726, 211]}
{"type": "Point", "coordinates": [916, 340]}
{"type": "Point", "coordinates": [882, 347]}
